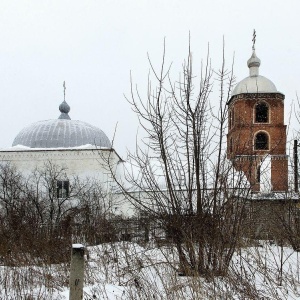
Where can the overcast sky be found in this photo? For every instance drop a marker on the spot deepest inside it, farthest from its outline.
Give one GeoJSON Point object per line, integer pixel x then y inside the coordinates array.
{"type": "Point", "coordinates": [94, 44]}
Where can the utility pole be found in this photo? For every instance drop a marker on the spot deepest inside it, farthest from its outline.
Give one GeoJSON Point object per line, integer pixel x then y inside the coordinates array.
{"type": "Point", "coordinates": [76, 272]}
{"type": "Point", "coordinates": [296, 165]}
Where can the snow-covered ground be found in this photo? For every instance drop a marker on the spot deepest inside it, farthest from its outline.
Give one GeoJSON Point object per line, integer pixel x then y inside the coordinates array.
{"type": "Point", "coordinates": [129, 271]}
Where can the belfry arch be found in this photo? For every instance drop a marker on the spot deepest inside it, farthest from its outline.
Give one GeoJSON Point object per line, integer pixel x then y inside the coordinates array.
{"type": "Point", "coordinates": [261, 141]}
{"type": "Point", "coordinates": [261, 112]}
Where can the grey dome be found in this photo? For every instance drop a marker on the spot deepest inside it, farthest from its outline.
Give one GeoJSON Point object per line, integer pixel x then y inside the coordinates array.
{"type": "Point", "coordinates": [61, 133]}
{"type": "Point", "coordinates": [254, 83]}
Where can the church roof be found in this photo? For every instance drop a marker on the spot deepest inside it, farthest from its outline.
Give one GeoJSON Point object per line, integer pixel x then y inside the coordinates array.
{"type": "Point", "coordinates": [61, 133]}
{"type": "Point", "coordinates": [254, 83]}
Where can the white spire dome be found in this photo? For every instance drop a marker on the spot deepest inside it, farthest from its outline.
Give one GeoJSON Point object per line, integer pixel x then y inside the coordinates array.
{"type": "Point", "coordinates": [254, 83]}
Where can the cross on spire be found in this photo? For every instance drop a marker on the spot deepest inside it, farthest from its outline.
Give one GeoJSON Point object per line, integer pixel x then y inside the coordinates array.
{"type": "Point", "coordinates": [64, 85]}
{"type": "Point", "coordinates": [254, 39]}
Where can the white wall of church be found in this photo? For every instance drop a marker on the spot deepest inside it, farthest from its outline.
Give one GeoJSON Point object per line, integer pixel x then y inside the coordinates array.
{"type": "Point", "coordinates": [83, 163]}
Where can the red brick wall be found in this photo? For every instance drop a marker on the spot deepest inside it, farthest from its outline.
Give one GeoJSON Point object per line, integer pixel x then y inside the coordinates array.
{"type": "Point", "coordinates": [279, 177]}
{"type": "Point", "coordinates": [242, 133]}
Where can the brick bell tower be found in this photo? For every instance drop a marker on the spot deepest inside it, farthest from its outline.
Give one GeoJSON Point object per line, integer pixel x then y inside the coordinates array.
{"type": "Point", "coordinates": [256, 139]}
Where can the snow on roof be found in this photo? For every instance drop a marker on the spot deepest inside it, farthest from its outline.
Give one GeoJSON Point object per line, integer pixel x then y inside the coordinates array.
{"type": "Point", "coordinates": [25, 148]}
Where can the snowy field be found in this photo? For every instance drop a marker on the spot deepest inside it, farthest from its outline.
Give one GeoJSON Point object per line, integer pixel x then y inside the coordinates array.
{"type": "Point", "coordinates": [129, 271]}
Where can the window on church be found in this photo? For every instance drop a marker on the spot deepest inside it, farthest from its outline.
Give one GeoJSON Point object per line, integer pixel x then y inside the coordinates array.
{"type": "Point", "coordinates": [261, 113]}
{"type": "Point", "coordinates": [261, 141]}
{"type": "Point", "coordinates": [63, 187]}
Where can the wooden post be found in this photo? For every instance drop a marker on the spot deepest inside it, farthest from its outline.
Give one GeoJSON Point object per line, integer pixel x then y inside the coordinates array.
{"type": "Point", "coordinates": [77, 272]}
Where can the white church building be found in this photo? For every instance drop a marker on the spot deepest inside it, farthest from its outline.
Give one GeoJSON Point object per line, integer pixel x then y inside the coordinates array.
{"type": "Point", "coordinates": [79, 148]}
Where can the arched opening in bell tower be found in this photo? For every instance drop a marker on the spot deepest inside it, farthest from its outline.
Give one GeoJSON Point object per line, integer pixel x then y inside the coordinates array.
{"type": "Point", "coordinates": [261, 112]}
{"type": "Point", "coordinates": [261, 141]}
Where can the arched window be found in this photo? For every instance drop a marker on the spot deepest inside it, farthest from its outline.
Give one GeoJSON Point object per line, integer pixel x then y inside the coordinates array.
{"type": "Point", "coordinates": [261, 141]}
{"type": "Point", "coordinates": [261, 113]}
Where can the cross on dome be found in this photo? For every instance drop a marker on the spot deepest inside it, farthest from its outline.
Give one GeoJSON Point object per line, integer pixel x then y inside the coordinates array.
{"type": "Point", "coordinates": [254, 39]}
{"type": "Point", "coordinates": [253, 62]}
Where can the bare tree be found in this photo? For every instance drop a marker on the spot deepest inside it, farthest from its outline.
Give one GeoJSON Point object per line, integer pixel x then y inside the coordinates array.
{"type": "Point", "coordinates": [180, 176]}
